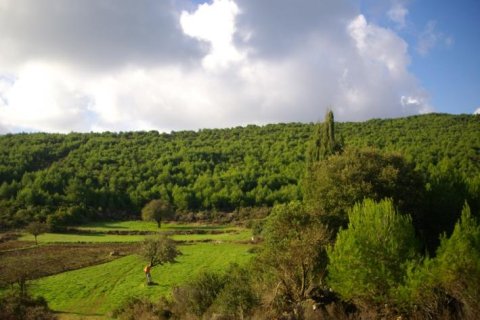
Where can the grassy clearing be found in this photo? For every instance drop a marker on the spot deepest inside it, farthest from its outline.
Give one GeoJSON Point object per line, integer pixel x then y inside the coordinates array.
{"type": "Point", "coordinates": [99, 289]}
{"type": "Point", "coordinates": [139, 225]}
{"type": "Point", "coordinates": [240, 235]}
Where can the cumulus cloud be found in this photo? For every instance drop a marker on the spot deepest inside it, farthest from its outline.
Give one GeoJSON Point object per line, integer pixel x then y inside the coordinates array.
{"type": "Point", "coordinates": [477, 111]}
{"type": "Point", "coordinates": [171, 65]}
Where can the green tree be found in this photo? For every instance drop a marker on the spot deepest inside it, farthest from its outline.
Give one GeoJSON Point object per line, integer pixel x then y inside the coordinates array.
{"type": "Point", "coordinates": [157, 210]}
{"type": "Point", "coordinates": [159, 250]}
{"type": "Point", "coordinates": [36, 228]}
{"type": "Point", "coordinates": [342, 180]}
{"type": "Point", "coordinates": [294, 251]}
{"type": "Point", "coordinates": [458, 263]}
{"type": "Point", "coordinates": [323, 143]}
{"type": "Point", "coordinates": [370, 257]}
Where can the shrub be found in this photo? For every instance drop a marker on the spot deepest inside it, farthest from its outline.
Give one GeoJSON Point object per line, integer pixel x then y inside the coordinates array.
{"type": "Point", "coordinates": [14, 306]}
{"type": "Point", "coordinates": [237, 299]}
{"type": "Point", "coordinates": [136, 308]}
{"type": "Point", "coordinates": [198, 296]}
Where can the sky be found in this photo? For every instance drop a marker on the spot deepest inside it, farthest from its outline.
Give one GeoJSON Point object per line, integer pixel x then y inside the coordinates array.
{"type": "Point", "coordinates": [122, 65]}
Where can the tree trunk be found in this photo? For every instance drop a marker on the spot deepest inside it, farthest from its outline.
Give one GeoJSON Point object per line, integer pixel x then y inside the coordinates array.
{"type": "Point", "coordinates": [159, 223]}
{"type": "Point", "coordinates": [36, 242]}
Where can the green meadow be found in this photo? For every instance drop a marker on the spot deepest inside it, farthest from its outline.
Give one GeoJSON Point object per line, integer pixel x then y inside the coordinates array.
{"type": "Point", "coordinates": [94, 291]}
{"type": "Point", "coordinates": [97, 290]}
{"type": "Point", "coordinates": [240, 235]}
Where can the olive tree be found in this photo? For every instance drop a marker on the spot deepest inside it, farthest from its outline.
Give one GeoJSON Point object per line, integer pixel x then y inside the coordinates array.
{"type": "Point", "coordinates": [37, 228]}
{"type": "Point", "coordinates": [294, 251]}
{"type": "Point", "coordinates": [157, 210]}
{"type": "Point", "coordinates": [159, 250]}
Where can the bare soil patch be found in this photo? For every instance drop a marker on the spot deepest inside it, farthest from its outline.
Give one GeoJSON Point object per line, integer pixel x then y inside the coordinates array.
{"type": "Point", "coordinates": [33, 262]}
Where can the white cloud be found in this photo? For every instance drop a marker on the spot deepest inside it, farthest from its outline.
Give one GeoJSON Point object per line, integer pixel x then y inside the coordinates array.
{"type": "Point", "coordinates": [215, 24]}
{"type": "Point", "coordinates": [398, 14]}
{"type": "Point", "coordinates": [477, 111]}
{"type": "Point", "coordinates": [217, 64]}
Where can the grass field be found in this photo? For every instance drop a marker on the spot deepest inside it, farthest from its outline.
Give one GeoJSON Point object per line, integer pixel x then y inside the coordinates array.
{"type": "Point", "coordinates": [92, 292]}
{"type": "Point", "coordinates": [99, 289]}
{"type": "Point", "coordinates": [139, 225]}
{"type": "Point", "coordinates": [238, 235]}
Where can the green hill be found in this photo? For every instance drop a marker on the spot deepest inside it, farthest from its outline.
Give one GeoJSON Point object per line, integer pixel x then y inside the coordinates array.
{"type": "Point", "coordinates": [112, 175]}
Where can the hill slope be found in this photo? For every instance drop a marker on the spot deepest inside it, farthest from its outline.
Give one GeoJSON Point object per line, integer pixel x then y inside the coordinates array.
{"type": "Point", "coordinates": [113, 174]}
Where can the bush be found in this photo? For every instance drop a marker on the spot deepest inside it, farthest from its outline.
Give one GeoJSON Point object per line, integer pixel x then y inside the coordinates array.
{"type": "Point", "coordinates": [293, 255]}
{"type": "Point", "coordinates": [198, 296]}
{"type": "Point", "coordinates": [237, 299]}
{"type": "Point", "coordinates": [136, 308]}
{"type": "Point", "coordinates": [14, 306]}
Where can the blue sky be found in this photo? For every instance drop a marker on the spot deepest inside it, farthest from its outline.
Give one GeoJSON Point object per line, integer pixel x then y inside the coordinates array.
{"type": "Point", "coordinates": [450, 73]}
{"type": "Point", "coordinates": [118, 65]}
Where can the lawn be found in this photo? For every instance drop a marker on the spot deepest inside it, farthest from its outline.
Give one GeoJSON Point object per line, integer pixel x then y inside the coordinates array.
{"type": "Point", "coordinates": [99, 289]}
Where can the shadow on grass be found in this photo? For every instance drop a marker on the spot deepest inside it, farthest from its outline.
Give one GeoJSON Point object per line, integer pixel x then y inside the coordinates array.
{"type": "Point", "coordinates": [78, 315]}
{"type": "Point", "coordinates": [190, 227]}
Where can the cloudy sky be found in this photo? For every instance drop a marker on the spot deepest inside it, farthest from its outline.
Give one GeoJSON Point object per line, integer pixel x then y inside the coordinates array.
{"type": "Point", "coordinates": [96, 65]}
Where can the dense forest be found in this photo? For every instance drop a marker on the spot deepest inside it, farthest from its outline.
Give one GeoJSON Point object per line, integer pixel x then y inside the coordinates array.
{"type": "Point", "coordinates": [75, 177]}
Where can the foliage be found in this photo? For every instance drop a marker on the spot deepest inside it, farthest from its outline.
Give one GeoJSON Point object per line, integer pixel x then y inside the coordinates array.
{"type": "Point", "coordinates": [369, 259]}
{"type": "Point", "coordinates": [323, 143]}
{"type": "Point", "coordinates": [113, 175]}
{"type": "Point", "coordinates": [159, 250]}
{"type": "Point", "coordinates": [238, 297]}
{"type": "Point", "coordinates": [140, 308]}
{"type": "Point", "coordinates": [447, 283]}
{"type": "Point", "coordinates": [293, 250]}
{"type": "Point", "coordinates": [458, 263]}
{"type": "Point", "coordinates": [199, 295]}
{"type": "Point", "coordinates": [37, 228]}
{"type": "Point", "coordinates": [24, 307]}
{"type": "Point", "coordinates": [345, 179]}
{"type": "Point", "coordinates": [157, 210]}
{"type": "Point", "coordinates": [230, 294]}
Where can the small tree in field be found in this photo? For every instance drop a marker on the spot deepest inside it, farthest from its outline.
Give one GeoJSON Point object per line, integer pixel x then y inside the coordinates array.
{"type": "Point", "coordinates": [37, 228]}
{"type": "Point", "coordinates": [157, 210]}
{"type": "Point", "coordinates": [160, 250]}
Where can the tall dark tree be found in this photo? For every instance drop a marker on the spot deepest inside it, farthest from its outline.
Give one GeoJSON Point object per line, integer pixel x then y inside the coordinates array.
{"type": "Point", "coordinates": [323, 143]}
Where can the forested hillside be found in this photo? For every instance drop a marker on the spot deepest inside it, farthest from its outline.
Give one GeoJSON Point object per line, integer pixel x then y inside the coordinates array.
{"type": "Point", "coordinates": [112, 175]}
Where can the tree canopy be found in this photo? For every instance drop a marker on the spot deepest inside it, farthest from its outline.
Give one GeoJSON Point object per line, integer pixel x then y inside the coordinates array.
{"type": "Point", "coordinates": [76, 177]}
{"type": "Point", "coordinates": [157, 210]}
